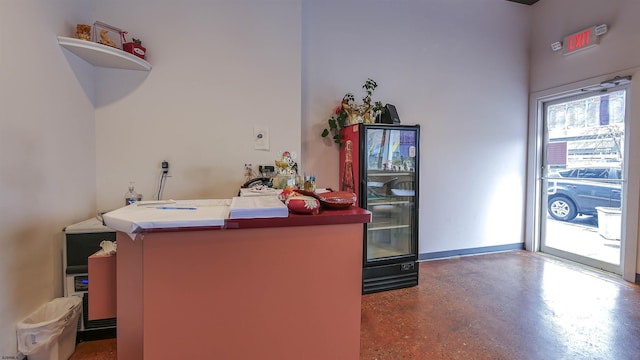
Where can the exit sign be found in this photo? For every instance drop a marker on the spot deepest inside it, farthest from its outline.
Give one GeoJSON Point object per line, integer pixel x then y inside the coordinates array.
{"type": "Point", "coordinates": [582, 39]}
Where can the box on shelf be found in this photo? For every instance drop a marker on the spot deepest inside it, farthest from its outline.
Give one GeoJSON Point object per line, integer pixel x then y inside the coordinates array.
{"type": "Point", "coordinates": [135, 47]}
{"type": "Point", "coordinates": [106, 34]}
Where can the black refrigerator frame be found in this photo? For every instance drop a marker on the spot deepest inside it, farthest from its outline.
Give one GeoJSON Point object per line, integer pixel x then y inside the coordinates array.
{"type": "Point", "coordinates": [395, 271]}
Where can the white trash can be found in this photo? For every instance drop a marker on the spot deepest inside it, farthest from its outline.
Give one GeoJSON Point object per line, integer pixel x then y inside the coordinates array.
{"type": "Point", "coordinates": [49, 333]}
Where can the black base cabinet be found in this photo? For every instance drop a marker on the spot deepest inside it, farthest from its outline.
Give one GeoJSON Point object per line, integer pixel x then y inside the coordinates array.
{"type": "Point", "coordinates": [389, 277]}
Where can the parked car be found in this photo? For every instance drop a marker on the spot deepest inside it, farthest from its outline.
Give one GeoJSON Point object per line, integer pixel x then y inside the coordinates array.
{"type": "Point", "coordinates": [579, 191]}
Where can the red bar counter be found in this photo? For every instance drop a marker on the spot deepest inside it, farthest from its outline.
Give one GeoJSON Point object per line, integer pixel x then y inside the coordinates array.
{"type": "Point", "coordinates": [103, 299]}
{"type": "Point", "coordinates": [279, 288]}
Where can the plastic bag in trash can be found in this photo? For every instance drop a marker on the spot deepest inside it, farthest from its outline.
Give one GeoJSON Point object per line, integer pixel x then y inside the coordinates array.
{"type": "Point", "coordinates": [40, 331]}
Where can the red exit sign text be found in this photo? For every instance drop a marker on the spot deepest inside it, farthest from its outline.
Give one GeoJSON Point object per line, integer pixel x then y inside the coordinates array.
{"type": "Point", "coordinates": [580, 41]}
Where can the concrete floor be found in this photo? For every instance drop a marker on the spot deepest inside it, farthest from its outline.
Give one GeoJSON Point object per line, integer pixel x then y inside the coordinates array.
{"type": "Point", "coordinates": [511, 305]}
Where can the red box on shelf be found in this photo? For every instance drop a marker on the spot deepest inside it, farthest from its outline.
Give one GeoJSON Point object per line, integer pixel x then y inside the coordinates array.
{"type": "Point", "coordinates": [135, 49]}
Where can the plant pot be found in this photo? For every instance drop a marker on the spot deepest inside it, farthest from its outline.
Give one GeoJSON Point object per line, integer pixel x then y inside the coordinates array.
{"type": "Point", "coordinates": [609, 222]}
{"type": "Point", "coordinates": [135, 49]}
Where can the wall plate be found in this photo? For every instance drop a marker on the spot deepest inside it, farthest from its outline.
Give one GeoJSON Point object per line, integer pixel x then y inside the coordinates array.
{"type": "Point", "coordinates": [261, 138]}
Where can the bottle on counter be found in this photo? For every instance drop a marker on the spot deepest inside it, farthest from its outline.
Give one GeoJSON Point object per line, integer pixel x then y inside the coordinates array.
{"type": "Point", "coordinates": [348, 182]}
{"type": "Point", "coordinates": [310, 184]}
{"type": "Point", "coordinates": [131, 196]}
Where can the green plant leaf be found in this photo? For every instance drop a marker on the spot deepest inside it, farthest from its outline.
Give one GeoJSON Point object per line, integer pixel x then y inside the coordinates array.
{"type": "Point", "coordinates": [340, 120]}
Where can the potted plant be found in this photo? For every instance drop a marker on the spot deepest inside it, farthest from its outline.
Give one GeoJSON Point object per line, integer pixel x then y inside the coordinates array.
{"type": "Point", "coordinates": [135, 47]}
{"type": "Point", "coordinates": [349, 113]}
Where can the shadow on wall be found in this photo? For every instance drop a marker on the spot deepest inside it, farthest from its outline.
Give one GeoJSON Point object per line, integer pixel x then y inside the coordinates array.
{"type": "Point", "coordinates": [114, 84]}
{"type": "Point", "coordinates": [30, 274]}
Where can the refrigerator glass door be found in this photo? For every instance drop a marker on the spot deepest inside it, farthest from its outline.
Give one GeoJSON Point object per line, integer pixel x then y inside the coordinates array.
{"type": "Point", "coordinates": [390, 157]}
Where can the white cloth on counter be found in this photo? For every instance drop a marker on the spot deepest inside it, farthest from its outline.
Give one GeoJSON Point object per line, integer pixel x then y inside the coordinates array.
{"type": "Point", "coordinates": [249, 207]}
{"type": "Point", "coordinates": [260, 192]}
{"type": "Point", "coordinates": [136, 217]}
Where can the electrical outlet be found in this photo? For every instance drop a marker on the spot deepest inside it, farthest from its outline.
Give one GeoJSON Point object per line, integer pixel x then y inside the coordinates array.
{"type": "Point", "coordinates": [165, 167]}
{"type": "Point", "coordinates": [261, 138]}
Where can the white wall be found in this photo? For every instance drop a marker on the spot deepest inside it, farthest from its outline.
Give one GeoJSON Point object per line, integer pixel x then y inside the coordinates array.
{"type": "Point", "coordinates": [68, 128]}
{"type": "Point", "coordinates": [553, 20]}
{"type": "Point", "coordinates": [47, 153]}
{"type": "Point", "coordinates": [219, 68]}
{"type": "Point", "coordinates": [459, 68]}
{"type": "Point", "coordinates": [617, 54]}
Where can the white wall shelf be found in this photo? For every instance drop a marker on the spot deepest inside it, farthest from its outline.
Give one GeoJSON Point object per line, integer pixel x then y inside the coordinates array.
{"type": "Point", "coordinates": [102, 55]}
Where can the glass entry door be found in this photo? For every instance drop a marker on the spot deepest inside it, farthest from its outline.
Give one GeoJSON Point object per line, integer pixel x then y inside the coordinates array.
{"type": "Point", "coordinates": [583, 169]}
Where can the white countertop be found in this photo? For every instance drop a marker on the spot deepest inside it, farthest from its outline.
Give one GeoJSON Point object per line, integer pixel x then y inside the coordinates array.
{"type": "Point", "coordinates": [148, 215]}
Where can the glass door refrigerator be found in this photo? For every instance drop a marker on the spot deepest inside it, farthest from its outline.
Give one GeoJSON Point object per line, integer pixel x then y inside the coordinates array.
{"type": "Point", "coordinates": [380, 164]}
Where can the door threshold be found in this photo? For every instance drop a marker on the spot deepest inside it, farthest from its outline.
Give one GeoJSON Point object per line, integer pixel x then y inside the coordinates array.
{"type": "Point", "coordinates": [597, 272]}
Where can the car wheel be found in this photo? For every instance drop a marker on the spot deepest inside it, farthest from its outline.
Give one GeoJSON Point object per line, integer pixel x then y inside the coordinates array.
{"type": "Point", "coordinates": [561, 208]}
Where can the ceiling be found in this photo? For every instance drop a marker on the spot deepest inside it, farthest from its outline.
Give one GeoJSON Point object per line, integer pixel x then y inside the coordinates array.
{"type": "Point", "coordinates": [526, 2]}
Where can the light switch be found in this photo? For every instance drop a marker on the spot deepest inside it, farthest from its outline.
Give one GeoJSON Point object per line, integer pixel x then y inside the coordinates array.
{"type": "Point", "coordinates": [261, 138]}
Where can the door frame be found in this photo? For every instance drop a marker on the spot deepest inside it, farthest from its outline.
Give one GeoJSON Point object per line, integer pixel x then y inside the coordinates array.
{"type": "Point", "coordinates": [631, 187]}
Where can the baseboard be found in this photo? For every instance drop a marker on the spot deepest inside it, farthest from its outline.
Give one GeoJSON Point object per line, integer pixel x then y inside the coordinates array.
{"type": "Point", "coordinates": [472, 251]}
{"type": "Point", "coordinates": [96, 334]}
